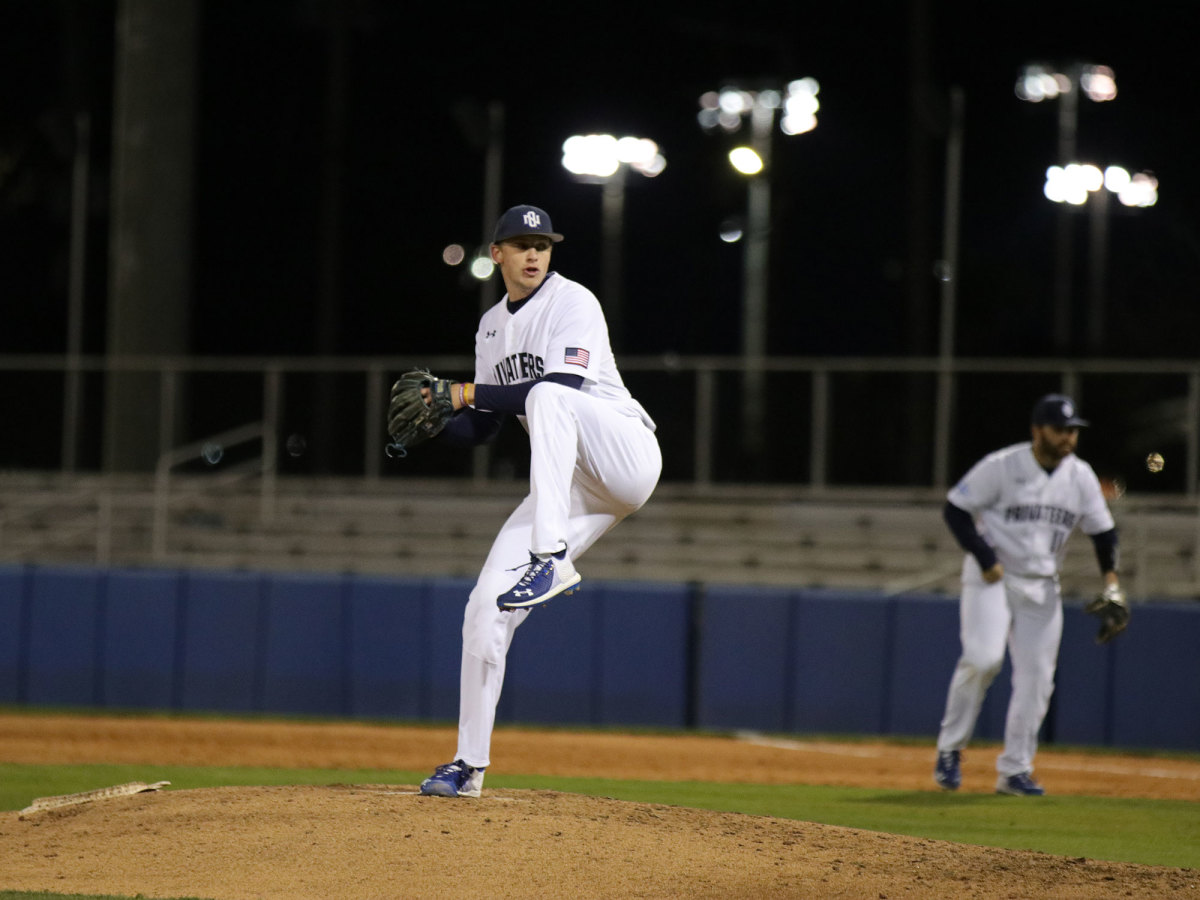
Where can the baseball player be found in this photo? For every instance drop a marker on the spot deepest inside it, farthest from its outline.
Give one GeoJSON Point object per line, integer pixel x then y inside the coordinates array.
{"type": "Point", "coordinates": [1027, 499]}
{"type": "Point", "coordinates": [542, 354]}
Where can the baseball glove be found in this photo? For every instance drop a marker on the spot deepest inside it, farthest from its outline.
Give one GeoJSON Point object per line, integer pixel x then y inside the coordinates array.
{"type": "Point", "coordinates": [412, 419]}
{"type": "Point", "coordinates": [1112, 610]}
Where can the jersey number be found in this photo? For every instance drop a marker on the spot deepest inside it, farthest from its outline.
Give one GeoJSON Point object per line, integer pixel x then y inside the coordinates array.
{"type": "Point", "coordinates": [1057, 538]}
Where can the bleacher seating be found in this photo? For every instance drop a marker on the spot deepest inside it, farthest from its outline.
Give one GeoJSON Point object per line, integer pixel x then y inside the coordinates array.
{"type": "Point", "coordinates": [878, 539]}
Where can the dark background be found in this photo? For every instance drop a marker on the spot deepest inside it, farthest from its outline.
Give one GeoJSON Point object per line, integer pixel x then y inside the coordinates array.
{"type": "Point", "coordinates": [857, 203]}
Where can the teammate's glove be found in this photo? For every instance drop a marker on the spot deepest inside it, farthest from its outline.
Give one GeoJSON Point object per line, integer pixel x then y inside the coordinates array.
{"type": "Point", "coordinates": [412, 420]}
{"type": "Point", "coordinates": [1112, 610]}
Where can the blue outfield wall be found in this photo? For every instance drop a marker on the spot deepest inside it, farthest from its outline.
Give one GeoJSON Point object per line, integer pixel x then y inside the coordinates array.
{"type": "Point", "coordinates": [717, 657]}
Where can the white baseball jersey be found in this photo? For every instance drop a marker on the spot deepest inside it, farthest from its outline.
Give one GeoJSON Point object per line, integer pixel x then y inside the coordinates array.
{"type": "Point", "coordinates": [1025, 514]}
{"type": "Point", "coordinates": [561, 328]}
{"type": "Point", "coordinates": [594, 460]}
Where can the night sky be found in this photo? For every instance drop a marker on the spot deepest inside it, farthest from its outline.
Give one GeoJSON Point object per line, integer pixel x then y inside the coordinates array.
{"type": "Point", "coordinates": [857, 204]}
{"type": "Point", "coordinates": [857, 218]}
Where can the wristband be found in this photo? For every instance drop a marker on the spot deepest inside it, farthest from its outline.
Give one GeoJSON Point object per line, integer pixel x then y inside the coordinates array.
{"type": "Point", "coordinates": [462, 395]}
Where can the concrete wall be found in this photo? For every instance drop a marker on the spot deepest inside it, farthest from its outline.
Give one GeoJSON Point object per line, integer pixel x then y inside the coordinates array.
{"type": "Point", "coordinates": [624, 654]}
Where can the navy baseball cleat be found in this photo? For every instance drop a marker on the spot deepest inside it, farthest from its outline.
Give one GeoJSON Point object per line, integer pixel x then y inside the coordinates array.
{"type": "Point", "coordinates": [1019, 785]}
{"type": "Point", "coordinates": [455, 779]}
{"type": "Point", "coordinates": [947, 773]}
{"type": "Point", "coordinates": [545, 578]}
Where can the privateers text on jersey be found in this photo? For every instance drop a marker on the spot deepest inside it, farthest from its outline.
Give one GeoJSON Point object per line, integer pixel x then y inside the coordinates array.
{"type": "Point", "coordinates": [519, 367]}
{"type": "Point", "coordinates": [1038, 512]}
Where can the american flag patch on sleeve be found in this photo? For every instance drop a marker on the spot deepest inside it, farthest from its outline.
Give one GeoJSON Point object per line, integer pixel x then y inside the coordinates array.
{"type": "Point", "coordinates": [576, 356]}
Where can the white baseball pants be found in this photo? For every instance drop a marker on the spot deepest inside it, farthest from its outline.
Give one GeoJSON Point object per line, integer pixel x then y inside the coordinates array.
{"type": "Point", "coordinates": [591, 465]}
{"type": "Point", "coordinates": [1024, 614]}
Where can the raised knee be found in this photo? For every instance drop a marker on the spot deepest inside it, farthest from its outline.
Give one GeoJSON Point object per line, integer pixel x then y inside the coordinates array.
{"type": "Point", "coordinates": [543, 392]}
{"type": "Point", "coordinates": [552, 394]}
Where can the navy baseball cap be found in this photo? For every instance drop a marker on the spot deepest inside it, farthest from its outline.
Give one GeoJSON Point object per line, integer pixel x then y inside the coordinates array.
{"type": "Point", "coordinates": [1057, 410]}
{"type": "Point", "coordinates": [521, 220]}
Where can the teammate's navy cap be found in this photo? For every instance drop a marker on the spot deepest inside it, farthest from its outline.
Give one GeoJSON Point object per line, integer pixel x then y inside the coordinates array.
{"type": "Point", "coordinates": [521, 220]}
{"type": "Point", "coordinates": [1057, 410]}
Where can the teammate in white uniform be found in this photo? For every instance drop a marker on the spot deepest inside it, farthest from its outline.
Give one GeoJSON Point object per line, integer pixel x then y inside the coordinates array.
{"type": "Point", "coordinates": [541, 353]}
{"type": "Point", "coordinates": [1027, 499]}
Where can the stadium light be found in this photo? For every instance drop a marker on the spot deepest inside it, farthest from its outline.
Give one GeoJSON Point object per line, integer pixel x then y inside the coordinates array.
{"type": "Point", "coordinates": [1074, 182]}
{"type": "Point", "coordinates": [604, 159]}
{"type": "Point", "coordinates": [1077, 184]}
{"type": "Point", "coordinates": [1038, 82]}
{"type": "Point", "coordinates": [598, 157]}
{"type": "Point", "coordinates": [726, 110]}
{"type": "Point", "coordinates": [746, 160]}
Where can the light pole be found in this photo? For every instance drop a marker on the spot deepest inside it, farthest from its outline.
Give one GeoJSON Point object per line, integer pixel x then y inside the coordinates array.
{"type": "Point", "coordinates": [1076, 185]}
{"type": "Point", "coordinates": [1038, 82]}
{"type": "Point", "coordinates": [603, 159]}
{"type": "Point", "coordinates": [75, 290]}
{"type": "Point", "coordinates": [725, 110]}
{"type": "Point", "coordinates": [947, 274]}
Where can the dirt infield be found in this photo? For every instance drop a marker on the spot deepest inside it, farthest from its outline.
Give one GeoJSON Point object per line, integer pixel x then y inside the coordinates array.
{"type": "Point", "coordinates": [386, 841]}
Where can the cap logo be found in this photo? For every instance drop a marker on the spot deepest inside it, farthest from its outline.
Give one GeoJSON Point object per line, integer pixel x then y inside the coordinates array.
{"type": "Point", "coordinates": [1067, 410]}
{"type": "Point", "coordinates": [532, 219]}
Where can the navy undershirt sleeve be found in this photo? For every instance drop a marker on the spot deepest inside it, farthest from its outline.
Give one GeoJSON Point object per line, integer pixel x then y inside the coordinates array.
{"type": "Point", "coordinates": [493, 402]}
{"type": "Point", "coordinates": [962, 526]}
{"type": "Point", "coordinates": [1106, 550]}
{"type": "Point", "coordinates": [510, 398]}
{"type": "Point", "coordinates": [471, 427]}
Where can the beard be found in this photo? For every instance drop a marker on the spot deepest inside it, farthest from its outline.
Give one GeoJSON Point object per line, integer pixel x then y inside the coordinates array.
{"type": "Point", "coordinates": [1057, 450]}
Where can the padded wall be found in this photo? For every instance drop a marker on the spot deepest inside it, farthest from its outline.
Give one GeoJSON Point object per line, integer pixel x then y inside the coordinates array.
{"type": "Point", "coordinates": [636, 654]}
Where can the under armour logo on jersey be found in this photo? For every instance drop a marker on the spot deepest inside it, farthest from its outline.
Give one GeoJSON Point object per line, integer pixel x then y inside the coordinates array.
{"type": "Point", "coordinates": [532, 219]}
{"type": "Point", "coordinates": [489, 335]}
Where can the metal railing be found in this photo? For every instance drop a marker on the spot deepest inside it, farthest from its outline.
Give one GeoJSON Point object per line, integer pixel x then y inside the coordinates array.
{"type": "Point", "coordinates": [705, 413]}
{"type": "Point", "coordinates": [211, 449]}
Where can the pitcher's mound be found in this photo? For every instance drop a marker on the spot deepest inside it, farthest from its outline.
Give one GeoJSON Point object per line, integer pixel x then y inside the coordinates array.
{"type": "Point", "coordinates": [387, 841]}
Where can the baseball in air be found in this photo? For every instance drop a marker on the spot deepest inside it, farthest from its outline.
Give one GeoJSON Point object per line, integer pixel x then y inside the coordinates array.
{"type": "Point", "coordinates": [1154, 462]}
